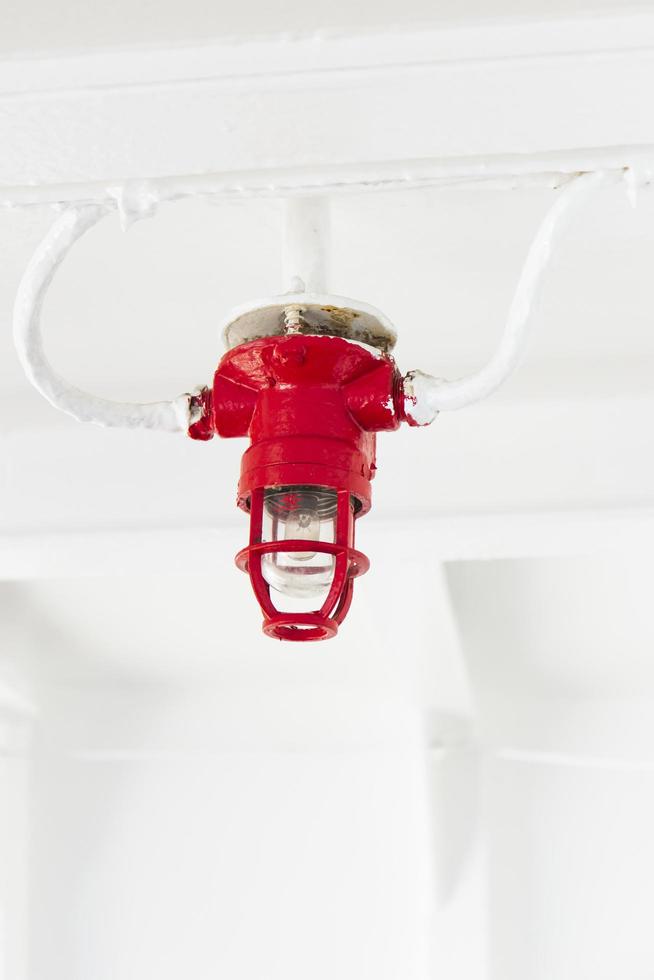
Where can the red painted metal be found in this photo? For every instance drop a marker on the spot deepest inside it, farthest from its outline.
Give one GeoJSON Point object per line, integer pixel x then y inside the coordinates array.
{"type": "Point", "coordinates": [311, 406]}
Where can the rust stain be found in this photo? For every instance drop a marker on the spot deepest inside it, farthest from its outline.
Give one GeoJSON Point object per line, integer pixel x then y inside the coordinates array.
{"type": "Point", "coordinates": [341, 314]}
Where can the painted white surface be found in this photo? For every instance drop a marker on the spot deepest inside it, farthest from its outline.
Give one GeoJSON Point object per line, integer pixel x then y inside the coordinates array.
{"type": "Point", "coordinates": [461, 784]}
{"type": "Point", "coordinates": [254, 806]}
{"type": "Point", "coordinates": [306, 244]}
{"type": "Point", "coordinates": [426, 396]}
{"type": "Point", "coordinates": [37, 26]}
{"type": "Point", "coordinates": [371, 107]}
{"type": "Point", "coordinates": [169, 416]}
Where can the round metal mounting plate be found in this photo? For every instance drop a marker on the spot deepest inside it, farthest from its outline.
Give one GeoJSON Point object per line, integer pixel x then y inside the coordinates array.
{"type": "Point", "coordinates": [327, 315]}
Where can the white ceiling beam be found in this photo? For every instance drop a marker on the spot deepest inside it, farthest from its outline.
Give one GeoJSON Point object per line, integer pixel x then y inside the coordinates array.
{"type": "Point", "coordinates": [617, 32]}
{"type": "Point", "coordinates": [322, 112]}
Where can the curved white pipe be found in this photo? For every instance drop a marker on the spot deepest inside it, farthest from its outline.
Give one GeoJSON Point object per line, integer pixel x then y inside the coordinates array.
{"type": "Point", "coordinates": [172, 416]}
{"type": "Point", "coordinates": [425, 396]}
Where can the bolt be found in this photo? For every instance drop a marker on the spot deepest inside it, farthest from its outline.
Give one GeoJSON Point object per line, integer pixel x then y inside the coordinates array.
{"type": "Point", "coordinates": [293, 322]}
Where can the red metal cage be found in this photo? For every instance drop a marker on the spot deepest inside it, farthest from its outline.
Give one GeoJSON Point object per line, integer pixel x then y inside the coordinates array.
{"type": "Point", "coordinates": [322, 623]}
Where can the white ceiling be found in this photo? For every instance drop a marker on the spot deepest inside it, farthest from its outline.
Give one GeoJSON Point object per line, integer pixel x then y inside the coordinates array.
{"type": "Point", "coordinates": [495, 668]}
{"type": "Point", "coordinates": [38, 27]}
{"type": "Point", "coordinates": [134, 315]}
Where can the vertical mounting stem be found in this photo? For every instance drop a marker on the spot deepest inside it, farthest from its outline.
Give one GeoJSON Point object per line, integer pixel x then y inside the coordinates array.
{"type": "Point", "coordinates": [306, 244]}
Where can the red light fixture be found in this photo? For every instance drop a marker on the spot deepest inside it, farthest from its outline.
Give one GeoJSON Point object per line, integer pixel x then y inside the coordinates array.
{"type": "Point", "coordinates": [310, 379]}
{"type": "Point", "coordinates": [310, 389]}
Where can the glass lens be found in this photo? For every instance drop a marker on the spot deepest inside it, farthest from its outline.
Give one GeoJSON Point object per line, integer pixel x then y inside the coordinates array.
{"type": "Point", "coordinates": [299, 513]}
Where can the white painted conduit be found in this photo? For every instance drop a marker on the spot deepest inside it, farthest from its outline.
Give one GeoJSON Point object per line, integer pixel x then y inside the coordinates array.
{"type": "Point", "coordinates": [170, 416]}
{"type": "Point", "coordinates": [426, 396]}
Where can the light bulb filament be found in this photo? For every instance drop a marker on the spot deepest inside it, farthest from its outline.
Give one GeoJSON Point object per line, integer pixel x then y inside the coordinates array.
{"type": "Point", "coordinates": [305, 526]}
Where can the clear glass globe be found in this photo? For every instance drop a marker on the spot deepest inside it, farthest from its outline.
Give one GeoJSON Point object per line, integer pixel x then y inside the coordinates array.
{"type": "Point", "coordinates": [304, 513]}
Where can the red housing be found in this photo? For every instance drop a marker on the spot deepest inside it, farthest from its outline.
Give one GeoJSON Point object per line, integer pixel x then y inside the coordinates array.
{"type": "Point", "coordinates": [311, 406]}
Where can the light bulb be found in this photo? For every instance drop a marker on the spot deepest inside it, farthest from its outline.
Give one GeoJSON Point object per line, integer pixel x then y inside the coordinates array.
{"type": "Point", "coordinates": [304, 513]}
{"type": "Point", "coordinates": [302, 525]}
